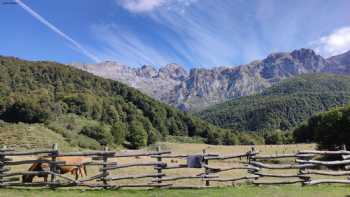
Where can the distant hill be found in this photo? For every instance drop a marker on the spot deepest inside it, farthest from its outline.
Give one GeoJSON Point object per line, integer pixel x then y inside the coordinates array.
{"type": "Point", "coordinates": [87, 110]}
{"type": "Point", "coordinates": [282, 106]}
{"type": "Point", "coordinates": [203, 87]}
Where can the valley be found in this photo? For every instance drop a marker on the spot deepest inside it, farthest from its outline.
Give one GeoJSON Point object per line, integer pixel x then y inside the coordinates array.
{"type": "Point", "coordinates": [175, 98]}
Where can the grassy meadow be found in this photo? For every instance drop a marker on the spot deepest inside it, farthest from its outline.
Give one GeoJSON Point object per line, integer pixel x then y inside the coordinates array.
{"type": "Point", "coordinates": [239, 189]}
{"type": "Point", "coordinates": [176, 148]}
{"type": "Point", "coordinates": [243, 191]}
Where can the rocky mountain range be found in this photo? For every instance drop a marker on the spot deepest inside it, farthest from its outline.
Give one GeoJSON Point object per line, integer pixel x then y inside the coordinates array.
{"type": "Point", "coordinates": [202, 87]}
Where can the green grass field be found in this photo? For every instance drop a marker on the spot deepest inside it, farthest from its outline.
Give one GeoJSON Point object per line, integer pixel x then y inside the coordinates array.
{"type": "Point", "coordinates": [243, 191]}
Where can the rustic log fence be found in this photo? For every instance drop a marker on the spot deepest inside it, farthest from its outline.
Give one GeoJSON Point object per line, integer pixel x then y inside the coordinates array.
{"type": "Point", "coordinates": [260, 169]}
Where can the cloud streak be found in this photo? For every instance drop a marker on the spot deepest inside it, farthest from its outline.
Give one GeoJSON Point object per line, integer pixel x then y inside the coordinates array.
{"type": "Point", "coordinates": [121, 44]}
{"type": "Point", "coordinates": [140, 5]}
{"type": "Point", "coordinates": [80, 48]}
{"type": "Point", "coordinates": [214, 33]}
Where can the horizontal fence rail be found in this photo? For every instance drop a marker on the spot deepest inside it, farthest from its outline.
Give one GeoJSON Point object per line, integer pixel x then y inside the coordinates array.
{"type": "Point", "coordinates": [304, 167]}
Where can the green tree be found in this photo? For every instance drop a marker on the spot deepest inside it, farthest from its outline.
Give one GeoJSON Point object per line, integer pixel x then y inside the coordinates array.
{"type": "Point", "coordinates": [137, 135]}
{"type": "Point", "coordinates": [230, 138]}
{"type": "Point", "coordinates": [214, 138]}
{"type": "Point", "coordinates": [118, 131]}
{"type": "Point", "coordinates": [274, 137]}
{"type": "Point", "coordinates": [34, 107]}
{"type": "Point", "coordinates": [303, 134]}
{"type": "Point", "coordinates": [330, 130]}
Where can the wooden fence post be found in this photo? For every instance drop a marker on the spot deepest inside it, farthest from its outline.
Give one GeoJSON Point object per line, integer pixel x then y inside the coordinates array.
{"type": "Point", "coordinates": [104, 166]}
{"type": "Point", "coordinates": [159, 167]}
{"type": "Point", "coordinates": [344, 147]}
{"type": "Point", "coordinates": [251, 154]}
{"type": "Point", "coordinates": [206, 172]}
{"type": "Point", "coordinates": [53, 165]}
{"type": "Point", "coordinates": [250, 157]}
{"type": "Point", "coordinates": [2, 165]}
{"type": "Point", "coordinates": [301, 170]}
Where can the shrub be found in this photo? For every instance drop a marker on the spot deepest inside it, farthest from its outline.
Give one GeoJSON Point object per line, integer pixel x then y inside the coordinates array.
{"type": "Point", "coordinates": [99, 133]}
{"type": "Point", "coordinates": [85, 142]}
{"type": "Point", "coordinates": [250, 139]}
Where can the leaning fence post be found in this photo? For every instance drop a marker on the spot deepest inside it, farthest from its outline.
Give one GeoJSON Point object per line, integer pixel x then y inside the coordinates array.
{"type": "Point", "coordinates": [104, 166]}
{"type": "Point", "coordinates": [159, 167]}
{"type": "Point", "coordinates": [206, 172]}
{"type": "Point", "coordinates": [53, 165]}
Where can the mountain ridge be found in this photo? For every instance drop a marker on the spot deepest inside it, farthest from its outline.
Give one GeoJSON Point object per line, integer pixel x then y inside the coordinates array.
{"type": "Point", "coordinates": [201, 87]}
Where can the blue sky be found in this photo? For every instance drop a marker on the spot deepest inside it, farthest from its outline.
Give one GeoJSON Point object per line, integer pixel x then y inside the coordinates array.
{"type": "Point", "coordinates": [194, 33]}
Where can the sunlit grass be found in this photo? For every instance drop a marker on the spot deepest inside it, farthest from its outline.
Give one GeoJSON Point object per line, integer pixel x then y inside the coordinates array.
{"type": "Point", "coordinates": [243, 191]}
{"type": "Point", "coordinates": [189, 149]}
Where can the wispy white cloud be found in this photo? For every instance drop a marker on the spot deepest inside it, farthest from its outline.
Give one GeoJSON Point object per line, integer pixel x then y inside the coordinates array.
{"type": "Point", "coordinates": [215, 33]}
{"type": "Point", "coordinates": [121, 44]}
{"type": "Point", "coordinates": [333, 44]}
{"type": "Point", "coordinates": [41, 19]}
{"type": "Point", "coordinates": [192, 37]}
{"type": "Point", "coordinates": [141, 5]}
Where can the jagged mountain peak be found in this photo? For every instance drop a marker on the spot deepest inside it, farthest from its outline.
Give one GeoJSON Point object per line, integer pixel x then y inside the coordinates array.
{"type": "Point", "coordinates": [173, 71]}
{"type": "Point", "coordinates": [147, 71]}
{"type": "Point", "coordinates": [202, 87]}
{"type": "Point", "coordinates": [300, 55]}
{"type": "Point", "coordinates": [172, 66]}
{"type": "Point", "coordinates": [303, 52]}
{"type": "Point", "coordinates": [274, 56]}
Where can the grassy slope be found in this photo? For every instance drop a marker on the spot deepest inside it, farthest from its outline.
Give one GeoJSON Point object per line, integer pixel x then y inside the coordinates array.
{"type": "Point", "coordinates": [282, 106]}
{"type": "Point", "coordinates": [31, 136]}
{"type": "Point", "coordinates": [244, 191]}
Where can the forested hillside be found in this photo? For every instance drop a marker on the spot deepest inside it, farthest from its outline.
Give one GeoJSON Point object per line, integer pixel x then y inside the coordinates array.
{"type": "Point", "coordinates": [284, 105]}
{"type": "Point", "coordinates": [90, 111]}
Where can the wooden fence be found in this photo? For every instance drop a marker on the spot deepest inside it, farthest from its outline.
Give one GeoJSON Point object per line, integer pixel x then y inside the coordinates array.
{"type": "Point", "coordinates": [307, 165]}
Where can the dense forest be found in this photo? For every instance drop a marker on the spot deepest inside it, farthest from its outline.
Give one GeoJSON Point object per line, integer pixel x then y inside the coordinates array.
{"type": "Point", "coordinates": [282, 106]}
{"type": "Point", "coordinates": [331, 129]}
{"type": "Point", "coordinates": [90, 111]}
